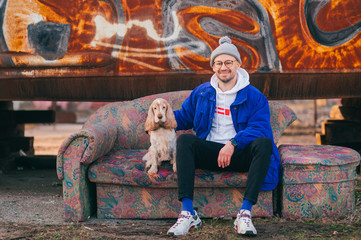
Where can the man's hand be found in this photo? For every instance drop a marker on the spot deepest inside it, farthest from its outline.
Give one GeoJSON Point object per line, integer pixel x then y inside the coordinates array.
{"type": "Point", "coordinates": [225, 154]}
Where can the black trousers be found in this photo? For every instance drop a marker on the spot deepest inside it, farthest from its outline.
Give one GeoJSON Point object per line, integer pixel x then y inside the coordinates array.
{"type": "Point", "coordinates": [195, 153]}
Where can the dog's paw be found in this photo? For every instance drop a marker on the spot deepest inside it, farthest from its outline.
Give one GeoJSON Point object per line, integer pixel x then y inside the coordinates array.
{"type": "Point", "coordinates": [174, 168]}
{"type": "Point", "coordinates": [153, 170]}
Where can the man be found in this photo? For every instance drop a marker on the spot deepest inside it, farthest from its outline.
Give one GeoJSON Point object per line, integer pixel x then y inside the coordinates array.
{"type": "Point", "coordinates": [231, 119]}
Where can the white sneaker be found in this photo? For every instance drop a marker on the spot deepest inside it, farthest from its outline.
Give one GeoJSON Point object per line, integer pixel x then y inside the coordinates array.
{"type": "Point", "coordinates": [243, 224]}
{"type": "Point", "coordinates": [186, 222]}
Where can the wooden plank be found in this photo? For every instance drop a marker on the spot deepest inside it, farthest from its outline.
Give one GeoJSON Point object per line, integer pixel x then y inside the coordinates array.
{"type": "Point", "coordinates": [341, 132]}
{"type": "Point", "coordinates": [14, 144]}
{"type": "Point", "coordinates": [281, 86]}
{"type": "Point", "coordinates": [10, 117]}
{"type": "Point", "coordinates": [35, 116]}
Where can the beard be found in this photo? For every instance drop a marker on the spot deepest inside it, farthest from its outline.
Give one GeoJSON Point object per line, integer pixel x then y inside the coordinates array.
{"type": "Point", "coordinates": [225, 79]}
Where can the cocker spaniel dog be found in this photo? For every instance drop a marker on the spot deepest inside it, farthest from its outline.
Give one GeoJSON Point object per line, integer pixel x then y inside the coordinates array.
{"type": "Point", "coordinates": [160, 125]}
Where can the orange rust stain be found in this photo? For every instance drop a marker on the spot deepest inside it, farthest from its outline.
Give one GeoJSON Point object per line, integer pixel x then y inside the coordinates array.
{"type": "Point", "coordinates": [137, 38]}
{"type": "Point", "coordinates": [190, 20]}
{"type": "Point", "coordinates": [339, 14]}
{"type": "Point", "coordinates": [299, 51]}
{"type": "Point", "coordinates": [296, 48]}
{"type": "Point", "coordinates": [78, 14]}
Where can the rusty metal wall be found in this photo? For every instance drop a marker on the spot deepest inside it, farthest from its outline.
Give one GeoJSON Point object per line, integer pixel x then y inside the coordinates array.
{"type": "Point", "coordinates": [122, 49]}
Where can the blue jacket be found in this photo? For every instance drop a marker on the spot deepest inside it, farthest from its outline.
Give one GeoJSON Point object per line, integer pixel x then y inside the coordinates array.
{"type": "Point", "coordinates": [250, 115]}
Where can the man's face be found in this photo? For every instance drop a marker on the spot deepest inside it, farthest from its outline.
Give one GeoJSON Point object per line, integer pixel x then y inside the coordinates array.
{"type": "Point", "coordinates": [225, 66]}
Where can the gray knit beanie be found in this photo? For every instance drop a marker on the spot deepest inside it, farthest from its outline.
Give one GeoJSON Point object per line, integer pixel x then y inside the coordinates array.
{"type": "Point", "coordinates": [225, 47]}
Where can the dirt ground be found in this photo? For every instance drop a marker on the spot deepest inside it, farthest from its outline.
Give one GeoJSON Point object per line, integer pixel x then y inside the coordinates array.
{"type": "Point", "coordinates": [31, 206]}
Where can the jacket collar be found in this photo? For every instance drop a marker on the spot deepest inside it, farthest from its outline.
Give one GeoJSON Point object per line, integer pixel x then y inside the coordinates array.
{"type": "Point", "coordinates": [210, 93]}
{"type": "Point", "coordinates": [241, 96]}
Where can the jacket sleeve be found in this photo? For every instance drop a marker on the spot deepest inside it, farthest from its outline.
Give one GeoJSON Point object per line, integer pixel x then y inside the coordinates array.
{"type": "Point", "coordinates": [258, 122]}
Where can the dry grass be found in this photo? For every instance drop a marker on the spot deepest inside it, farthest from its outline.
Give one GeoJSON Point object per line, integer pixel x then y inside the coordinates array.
{"type": "Point", "coordinates": [268, 228]}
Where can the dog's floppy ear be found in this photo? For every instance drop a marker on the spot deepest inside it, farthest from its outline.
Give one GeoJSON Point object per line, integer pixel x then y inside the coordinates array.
{"type": "Point", "coordinates": [150, 125]}
{"type": "Point", "coordinates": [170, 122]}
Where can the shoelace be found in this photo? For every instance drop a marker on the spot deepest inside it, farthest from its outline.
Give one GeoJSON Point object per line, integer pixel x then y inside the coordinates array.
{"type": "Point", "coordinates": [241, 215]}
{"type": "Point", "coordinates": [246, 221]}
{"type": "Point", "coordinates": [181, 217]}
{"type": "Point", "coordinates": [245, 218]}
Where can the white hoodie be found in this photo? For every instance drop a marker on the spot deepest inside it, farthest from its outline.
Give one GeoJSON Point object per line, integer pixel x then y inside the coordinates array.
{"type": "Point", "coordinates": [222, 129]}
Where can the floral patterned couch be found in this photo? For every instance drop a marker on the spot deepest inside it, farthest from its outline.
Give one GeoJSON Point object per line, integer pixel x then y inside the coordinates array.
{"type": "Point", "coordinates": [102, 169]}
{"type": "Point", "coordinates": [317, 181]}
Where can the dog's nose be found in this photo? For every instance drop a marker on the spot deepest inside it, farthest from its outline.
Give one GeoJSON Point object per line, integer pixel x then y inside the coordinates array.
{"type": "Point", "coordinates": [159, 116]}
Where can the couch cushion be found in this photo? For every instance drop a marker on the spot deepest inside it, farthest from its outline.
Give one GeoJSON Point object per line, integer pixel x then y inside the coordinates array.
{"type": "Point", "coordinates": [126, 167]}
{"type": "Point", "coordinates": [318, 163]}
{"type": "Point", "coordinates": [317, 181]}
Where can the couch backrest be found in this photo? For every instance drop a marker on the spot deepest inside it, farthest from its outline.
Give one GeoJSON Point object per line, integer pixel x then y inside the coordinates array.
{"type": "Point", "coordinates": [130, 117]}
{"type": "Point", "coordinates": [281, 117]}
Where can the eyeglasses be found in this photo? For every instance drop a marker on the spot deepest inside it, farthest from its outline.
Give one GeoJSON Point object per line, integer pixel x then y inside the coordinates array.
{"type": "Point", "coordinates": [228, 64]}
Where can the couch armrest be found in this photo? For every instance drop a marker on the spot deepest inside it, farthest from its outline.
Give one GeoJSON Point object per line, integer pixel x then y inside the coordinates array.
{"type": "Point", "coordinates": [97, 140]}
{"type": "Point", "coordinates": [78, 192]}
{"type": "Point", "coordinates": [74, 157]}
